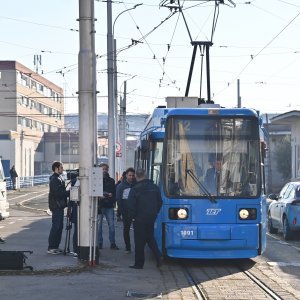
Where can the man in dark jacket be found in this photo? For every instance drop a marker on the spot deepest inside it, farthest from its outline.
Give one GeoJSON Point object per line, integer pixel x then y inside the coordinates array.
{"type": "Point", "coordinates": [144, 203]}
{"type": "Point", "coordinates": [57, 202]}
{"type": "Point", "coordinates": [106, 208]}
{"type": "Point", "coordinates": [119, 213]}
{"type": "Point", "coordinates": [123, 190]}
{"type": "Point", "coordinates": [13, 176]}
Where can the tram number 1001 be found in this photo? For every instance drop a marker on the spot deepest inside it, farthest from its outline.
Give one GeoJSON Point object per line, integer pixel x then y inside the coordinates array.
{"type": "Point", "coordinates": [187, 233]}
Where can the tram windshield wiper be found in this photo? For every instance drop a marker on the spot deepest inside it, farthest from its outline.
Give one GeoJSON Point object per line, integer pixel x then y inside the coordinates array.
{"type": "Point", "coordinates": [201, 186]}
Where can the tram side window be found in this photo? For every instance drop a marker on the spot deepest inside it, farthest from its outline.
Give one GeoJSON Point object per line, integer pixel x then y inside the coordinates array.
{"type": "Point", "coordinates": [156, 174]}
{"type": "Point", "coordinates": [156, 162]}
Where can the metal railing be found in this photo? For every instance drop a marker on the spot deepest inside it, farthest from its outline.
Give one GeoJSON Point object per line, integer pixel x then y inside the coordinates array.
{"type": "Point", "coordinates": [27, 181]}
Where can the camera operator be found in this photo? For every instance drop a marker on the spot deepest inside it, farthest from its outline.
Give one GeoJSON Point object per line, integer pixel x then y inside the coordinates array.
{"type": "Point", "coordinates": [73, 210]}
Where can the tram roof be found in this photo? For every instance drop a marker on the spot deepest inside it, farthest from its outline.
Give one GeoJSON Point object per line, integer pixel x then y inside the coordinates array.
{"type": "Point", "coordinates": [155, 124]}
{"type": "Point", "coordinates": [212, 112]}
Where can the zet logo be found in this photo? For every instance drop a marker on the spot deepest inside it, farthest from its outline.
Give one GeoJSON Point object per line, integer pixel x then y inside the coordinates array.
{"type": "Point", "coordinates": [213, 211]}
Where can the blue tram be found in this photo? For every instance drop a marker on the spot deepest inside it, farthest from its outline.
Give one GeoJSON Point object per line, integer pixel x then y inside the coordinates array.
{"type": "Point", "coordinates": [209, 164]}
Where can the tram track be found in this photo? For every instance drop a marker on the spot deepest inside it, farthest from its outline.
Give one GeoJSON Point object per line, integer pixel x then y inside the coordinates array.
{"type": "Point", "coordinates": [199, 292]}
{"type": "Point", "coordinates": [263, 286]}
{"type": "Point", "coordinates": [228, 282]}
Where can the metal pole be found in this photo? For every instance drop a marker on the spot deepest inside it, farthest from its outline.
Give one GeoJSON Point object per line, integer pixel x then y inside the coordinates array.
{"type": "Point", "coordinates": [208, 73]}
{"type": "Point", "coordinates": [110, 87]}
{"type": "Point", "coordinates": [123, 127]}
{"type": "Point", "coordinates": [239, 102]}
{"type": "Point", "coordinates": [116, 103]}
{"type": "Point", "coordinates": [86, 123]}
{"type": "Point", "coordinates": [69, 152]}
{"type": "Point", "coordinates": [59, 144]}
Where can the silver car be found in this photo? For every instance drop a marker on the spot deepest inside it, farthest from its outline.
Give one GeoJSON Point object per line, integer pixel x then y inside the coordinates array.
{"type": "Point", "coordinates": [284, 211]}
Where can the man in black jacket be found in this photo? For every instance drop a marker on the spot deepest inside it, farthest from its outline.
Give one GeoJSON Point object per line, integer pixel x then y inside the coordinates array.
{"type": "Point", "coordinates": [57, 202]}
{"type": "Point", "coordinates": [13, 176]}
{"type": "Point", "coordinates": [144, 203]}
{"type": "Point", "coordinates": [106, 208]}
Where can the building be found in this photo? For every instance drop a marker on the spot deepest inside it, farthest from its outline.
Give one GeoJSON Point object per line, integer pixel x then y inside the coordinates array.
{"type": "Point", "coordinates": [135, 123]}
{"type": "Point", "coordinates": [30, 106]}
{"type": "Point", "coordinates": [276, 134]}
{"type": "Point", "coordinates": [292, 119]}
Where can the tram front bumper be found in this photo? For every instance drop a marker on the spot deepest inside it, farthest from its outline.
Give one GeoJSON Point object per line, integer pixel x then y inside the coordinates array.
{"type": "Point", "coordinates": [212, 241]}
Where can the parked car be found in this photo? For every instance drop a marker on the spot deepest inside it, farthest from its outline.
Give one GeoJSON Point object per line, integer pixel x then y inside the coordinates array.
{"type": "Point", "coordinates": [284, 211]}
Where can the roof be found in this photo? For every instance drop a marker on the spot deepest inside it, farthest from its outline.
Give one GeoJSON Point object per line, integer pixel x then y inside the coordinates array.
{"type": "Point", "coordinates": [286, 118]}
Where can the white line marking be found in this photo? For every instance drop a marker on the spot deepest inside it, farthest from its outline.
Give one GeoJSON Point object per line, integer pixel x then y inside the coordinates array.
{"type": "Point", "coordinates": [284, 264]}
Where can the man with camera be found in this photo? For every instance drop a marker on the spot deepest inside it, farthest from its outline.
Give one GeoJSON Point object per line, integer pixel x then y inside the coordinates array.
{"type": "Point", "coordinates": [106, 206]}
{"type": "Point", "coordinates": [57, 201]}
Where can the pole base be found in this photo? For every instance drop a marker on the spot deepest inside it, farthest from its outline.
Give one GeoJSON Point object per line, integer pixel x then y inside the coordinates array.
{"type": "Point", "coordinates": [84, 255]}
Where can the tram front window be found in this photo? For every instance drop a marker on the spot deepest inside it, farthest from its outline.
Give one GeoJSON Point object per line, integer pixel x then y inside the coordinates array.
{"type": "Point", "coordinates": [212, 157]}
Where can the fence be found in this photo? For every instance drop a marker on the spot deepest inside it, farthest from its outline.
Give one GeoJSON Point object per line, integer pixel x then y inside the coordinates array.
{"type": "Point", "coordinates": [27, 181]}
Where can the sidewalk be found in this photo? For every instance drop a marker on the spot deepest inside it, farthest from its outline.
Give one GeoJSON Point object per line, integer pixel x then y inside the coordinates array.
{"type": "Point", "coordinates": [30, 233]}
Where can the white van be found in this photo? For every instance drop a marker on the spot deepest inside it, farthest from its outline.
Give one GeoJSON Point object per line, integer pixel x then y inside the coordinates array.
{"type": "Point", "coordinates": [4, 205]}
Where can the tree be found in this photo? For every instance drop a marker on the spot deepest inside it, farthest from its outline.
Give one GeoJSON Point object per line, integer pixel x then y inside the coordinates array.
{"type": "Point", "coordinates": [283, 157]}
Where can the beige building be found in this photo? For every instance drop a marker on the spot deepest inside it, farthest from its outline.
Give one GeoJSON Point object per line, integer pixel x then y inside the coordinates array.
{"type": "Point", "coordinates": [30, 105]}
{"type": "Point", "coordinates": [292, 118]}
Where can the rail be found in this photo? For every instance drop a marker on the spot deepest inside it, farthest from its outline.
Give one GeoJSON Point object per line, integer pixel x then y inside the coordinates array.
{"type": "Point", "coordinates": [27, 181]}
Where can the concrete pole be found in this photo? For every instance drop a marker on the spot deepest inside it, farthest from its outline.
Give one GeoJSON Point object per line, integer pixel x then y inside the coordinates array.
{"type": "Point", "coordinates": [117, 166]}
{"type": "Point", "coordinates": [86, 123]}
{"type": "Point", "coordinates": [110, 87]}
{"type": "Point", "coordinates": [123, 127]}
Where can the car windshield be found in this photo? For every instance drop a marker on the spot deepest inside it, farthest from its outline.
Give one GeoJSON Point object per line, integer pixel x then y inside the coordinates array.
{"type": "Point", "coordinates": [212, 157]}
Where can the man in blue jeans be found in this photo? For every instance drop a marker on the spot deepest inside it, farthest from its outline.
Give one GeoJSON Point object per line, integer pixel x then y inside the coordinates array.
{"type": "Point", "coordinates": [57, 202]}
{"type": "Point", "coordinates": [106, 208]}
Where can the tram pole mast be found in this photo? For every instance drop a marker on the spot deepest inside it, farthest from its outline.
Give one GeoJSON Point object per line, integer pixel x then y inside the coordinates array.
{"type": "Point", "coordinates": [87, 126]}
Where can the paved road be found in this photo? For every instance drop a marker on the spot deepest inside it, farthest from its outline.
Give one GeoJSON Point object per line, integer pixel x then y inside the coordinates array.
{"type": "Point", "coordinates": [63, 277]}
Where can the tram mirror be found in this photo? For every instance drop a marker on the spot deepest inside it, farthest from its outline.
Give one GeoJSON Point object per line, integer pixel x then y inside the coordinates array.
{"type": "Point", "coordinates": [264, 149]}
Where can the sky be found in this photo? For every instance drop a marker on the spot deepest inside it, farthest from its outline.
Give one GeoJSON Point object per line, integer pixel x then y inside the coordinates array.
{"type": "Point", "coordinates": [256, 42]}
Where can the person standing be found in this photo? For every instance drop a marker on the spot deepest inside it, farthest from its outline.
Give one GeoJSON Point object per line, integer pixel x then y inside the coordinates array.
{"type": "Point", "coordinates": [123, 190]}
{"type": "Point", "coordinates": [57, 201]}
{"type": "Point", "coordinates": [106, 208]}
{"type": "Point", "coordinates": [119, 213]}
{"type": "Point", "coordinates": [144, 203]}
{"type": "Point", "coordinates": [13, 176]}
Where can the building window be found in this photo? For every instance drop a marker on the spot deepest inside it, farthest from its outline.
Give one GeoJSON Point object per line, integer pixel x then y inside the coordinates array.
{"type": "Point", "coordinates": [33, 84]}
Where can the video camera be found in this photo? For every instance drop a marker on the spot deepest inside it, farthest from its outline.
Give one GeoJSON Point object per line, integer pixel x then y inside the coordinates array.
{"type": "Point", "coordinates": [72, 174]}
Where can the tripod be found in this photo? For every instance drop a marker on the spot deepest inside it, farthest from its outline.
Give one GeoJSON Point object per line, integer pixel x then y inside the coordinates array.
{"type": "Point", "coordinates": [68, 232]}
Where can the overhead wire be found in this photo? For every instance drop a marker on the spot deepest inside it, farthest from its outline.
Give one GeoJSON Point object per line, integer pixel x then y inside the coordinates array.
{"type": "Point", "coordinates": [148, 45]}
{"type": "Point", "coordinates": [259, 52]}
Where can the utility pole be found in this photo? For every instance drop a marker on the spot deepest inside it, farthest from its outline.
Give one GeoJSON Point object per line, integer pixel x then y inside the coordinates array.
{"type": "Point", "coordinates": [123, 127]}
{"type": "Point", "coordinates": [239, 99]}
{"type": "Point", "coordinates": [110, 87]}
{"type": "Point", "coordinates": [86, 82]}
{"type": "Point", "coordinates": [117, 167]}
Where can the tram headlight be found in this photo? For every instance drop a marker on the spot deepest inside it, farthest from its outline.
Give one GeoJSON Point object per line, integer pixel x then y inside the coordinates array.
{"type": "Point", "coordinates": [182, 213]}
{"type": "Point", "coordinates": [248, 214]}
{"type": "Point", "coordinates": [178, 213]}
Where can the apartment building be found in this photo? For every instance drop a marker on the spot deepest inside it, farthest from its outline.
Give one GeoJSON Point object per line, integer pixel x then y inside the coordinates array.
{"type": "Point", "coordinates": [30, 105]}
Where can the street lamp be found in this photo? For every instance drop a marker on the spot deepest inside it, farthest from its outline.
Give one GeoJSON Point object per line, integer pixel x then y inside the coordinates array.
{"type": "Point", "coordinates": [123, 123]}
{"type": "Point", "coordinates": [112, 81]}
{"type": "Point", "coordinates": [131, 8]}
